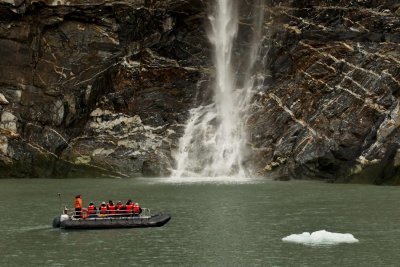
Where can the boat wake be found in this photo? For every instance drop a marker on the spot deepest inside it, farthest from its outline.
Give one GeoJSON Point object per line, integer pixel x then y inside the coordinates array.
{"type": "Point", "coordinates": [29, 228]}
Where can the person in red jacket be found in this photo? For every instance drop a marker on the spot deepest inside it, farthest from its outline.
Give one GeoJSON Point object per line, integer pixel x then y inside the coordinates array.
{"type": "Point", "coordinates": [103, 209]}
{"type": "Point", "coordinates": [120, 208]}
{"type": "Point", "coordinates": [111, 207]}
{"type": "Point", "coordinates": [129, 207]}
{"type": "Point", "coordinates": [91, 210]}
{"type": "Point", "coordinates": [137, 209]}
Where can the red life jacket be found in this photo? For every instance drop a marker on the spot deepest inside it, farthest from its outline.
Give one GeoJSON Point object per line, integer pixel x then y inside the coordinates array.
{"type": "Point", "coordinates": [129, 208]}
{"type": "Point", "coordinates": [136, 209]}
{"type": "Point", "coordinates": [111, 209]}
{"type": "Point", "coordinates": [91, 209]}
{"type": "Point", "coordinates": [120, 208]}
{"type": "Point", "coordinates": [103, 209]}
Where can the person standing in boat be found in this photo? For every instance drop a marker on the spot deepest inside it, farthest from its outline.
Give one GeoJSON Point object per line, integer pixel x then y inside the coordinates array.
{"type": "Point", "coordinates": [103, 209]}
{"type": "Point", "coordinates": [129, 207]}
{"type": "Point", "coordinates": [111, 208]}
{"type": "Point", "coordinates": [78, 206]}
{"type": "Point", "coordinates": [91, 210]}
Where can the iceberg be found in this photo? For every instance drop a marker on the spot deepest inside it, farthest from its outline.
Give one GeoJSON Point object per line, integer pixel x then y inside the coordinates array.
{"type": "Point", "coordinates": [321, 237]}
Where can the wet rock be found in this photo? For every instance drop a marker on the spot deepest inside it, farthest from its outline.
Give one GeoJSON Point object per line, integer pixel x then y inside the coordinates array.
{"type": "Point", "coordinates": [114, 77]}
{"type": "Point", "coordinates": [334, 69]}
{"type": "Point", "coordinates": [3, 145]}
{"type": "Point", "coordinates": [8, 121]}
{"type": "Point", "coordinates": [103, 88]}
{"type": "Point", "coordinates": [122, 142]}
{"type": "Point", "coordinates": [3, 100]}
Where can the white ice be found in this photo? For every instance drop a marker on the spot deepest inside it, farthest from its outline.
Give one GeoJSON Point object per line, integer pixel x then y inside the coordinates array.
{"type": "Point", "coordinates": [321, 237]}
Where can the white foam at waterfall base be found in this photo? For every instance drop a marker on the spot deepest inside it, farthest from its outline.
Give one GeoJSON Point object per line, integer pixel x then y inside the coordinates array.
{"type": "Point", "coordinates": [198, 179]}
{"type": "Point", "coordinates": [321, 237]}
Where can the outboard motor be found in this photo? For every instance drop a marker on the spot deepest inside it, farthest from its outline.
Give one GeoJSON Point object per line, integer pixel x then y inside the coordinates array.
{"type": "Point", "coordinates": [57, 222]}
{"type": "Point", "coordinates": [59, 219]}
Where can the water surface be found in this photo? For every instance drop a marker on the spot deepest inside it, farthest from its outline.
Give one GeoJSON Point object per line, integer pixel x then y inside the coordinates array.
{"type": "Point", "coordinates": [222, 223]}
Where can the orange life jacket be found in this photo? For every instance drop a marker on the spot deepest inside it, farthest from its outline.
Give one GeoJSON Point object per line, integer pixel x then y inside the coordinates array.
{"type": "Point", "coordinates": [120, 206]}
{"type": "Point", "coordinates": [103, 209]}
{"type": "Point", "coordinates": [91, 209]}
{"type": "Point", "coordinates": [78, 203]}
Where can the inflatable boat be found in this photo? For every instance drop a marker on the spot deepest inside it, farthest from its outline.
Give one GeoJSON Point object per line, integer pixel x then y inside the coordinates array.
{"type": "Point", "coordinates": [145, 219]}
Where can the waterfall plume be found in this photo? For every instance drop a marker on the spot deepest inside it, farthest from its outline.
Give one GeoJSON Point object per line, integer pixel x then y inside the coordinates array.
{"type": "Point", "coordinates": [214, 138]}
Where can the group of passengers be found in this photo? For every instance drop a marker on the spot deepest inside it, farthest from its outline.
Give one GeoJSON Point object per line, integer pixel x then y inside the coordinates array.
{"type": "Point", "coordinates": [106, 210]}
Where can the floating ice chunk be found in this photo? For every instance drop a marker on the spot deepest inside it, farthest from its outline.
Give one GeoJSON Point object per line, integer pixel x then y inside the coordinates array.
{"type": "Point", "coordinates": [321, 237]}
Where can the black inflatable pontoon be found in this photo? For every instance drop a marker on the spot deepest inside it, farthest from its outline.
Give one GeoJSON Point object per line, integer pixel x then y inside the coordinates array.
{"type": "Point", "coordinates": [65, 221]}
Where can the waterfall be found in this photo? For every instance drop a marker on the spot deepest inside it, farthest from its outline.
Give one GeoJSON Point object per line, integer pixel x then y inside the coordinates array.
{"type": "Point", "coordinates": [215, 136]}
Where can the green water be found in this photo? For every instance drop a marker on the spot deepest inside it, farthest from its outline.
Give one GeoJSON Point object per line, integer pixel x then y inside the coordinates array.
{"type": "Point", "coordinates": [213, 224]}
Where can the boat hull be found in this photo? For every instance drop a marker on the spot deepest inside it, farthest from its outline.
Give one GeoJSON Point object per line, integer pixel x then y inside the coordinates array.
{"type": "Point", "coordinates": [107, 223]}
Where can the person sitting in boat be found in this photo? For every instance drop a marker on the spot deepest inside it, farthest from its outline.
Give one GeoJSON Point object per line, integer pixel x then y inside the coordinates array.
{"type": "Point", "coordinates": [120, 208]}
{"type": "Point", "coordinates": [103, 209]}
{"type": "Point", "coordinates": [137, 209]}
{"type": "Point", "coordinates": [91, 210]}
{"type": "Point", "coordinates": [78, 206]}
{"type": "Point", "coordinates": [111, 207]}
{"type": "Point", "coordinates": [129, 207]}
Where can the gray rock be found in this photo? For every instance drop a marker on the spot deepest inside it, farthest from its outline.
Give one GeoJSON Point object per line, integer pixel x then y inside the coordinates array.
{"type": "Point", "coordinates": [102, 88]}
{"type": "Point", "coordinates": [3, 100]}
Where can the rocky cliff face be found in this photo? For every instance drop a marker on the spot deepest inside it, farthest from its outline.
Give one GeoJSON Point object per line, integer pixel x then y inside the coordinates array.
{"type": "Point", "coordinates": [95, 88]}
{"type": "Point", "coordinates": [330, 108]}
{"type": "Point", "coordinates": [92, 88]}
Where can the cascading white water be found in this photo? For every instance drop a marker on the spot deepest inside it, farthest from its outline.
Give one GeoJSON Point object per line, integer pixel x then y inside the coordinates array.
{"type": "Point", "coordinates": [226, 158]}
{"type": "Point", "coordinates": [214, 137]}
